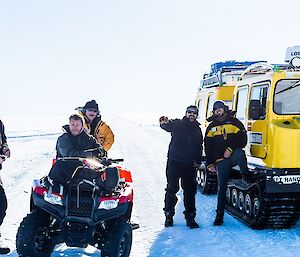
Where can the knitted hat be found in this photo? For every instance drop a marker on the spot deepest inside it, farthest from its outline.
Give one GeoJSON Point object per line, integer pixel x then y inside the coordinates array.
{"type": "Point", "coordinates": [91, 105]}
{"type": "Point", "coordinates": [221, 105]}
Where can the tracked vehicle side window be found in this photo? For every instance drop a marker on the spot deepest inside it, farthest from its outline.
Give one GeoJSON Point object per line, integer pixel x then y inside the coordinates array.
{"type": "Point", "coordinates": [201, 107]}
{"type": "Point", "coordinates": [242, 96]}
{"type": "Point", "coordinates": [210, 104]}
{"type": "Point", "coordinates": [258, 102]}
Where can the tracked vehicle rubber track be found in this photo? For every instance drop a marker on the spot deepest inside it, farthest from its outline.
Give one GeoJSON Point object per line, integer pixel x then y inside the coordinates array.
{"type": "Point", "coordinates": [250, 203]}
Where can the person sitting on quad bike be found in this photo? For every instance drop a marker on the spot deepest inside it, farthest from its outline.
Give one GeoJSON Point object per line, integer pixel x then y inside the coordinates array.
{"type": "Point", "coordinates": [95, 126]}
{"type": "Point", "coordinates": [75, 143]}
{"type": "Point", "coordinates": [92, 205]}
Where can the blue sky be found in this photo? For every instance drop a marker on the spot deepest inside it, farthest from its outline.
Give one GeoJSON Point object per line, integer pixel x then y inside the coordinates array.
{"type": "Point", "coordinates": [129, 55]}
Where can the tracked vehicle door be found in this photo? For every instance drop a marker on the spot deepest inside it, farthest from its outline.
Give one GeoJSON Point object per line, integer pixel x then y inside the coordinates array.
{"type": "Point", "coordinates": [241, 105]}
{"type": "Point", "coordinates": [257, 120]}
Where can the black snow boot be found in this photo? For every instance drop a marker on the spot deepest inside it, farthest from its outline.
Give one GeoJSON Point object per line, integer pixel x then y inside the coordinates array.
{"type": "Point", "coordinates": [190, 219]}
{"type": "Point", "coordinates": [169, 220]}
{"type": "Point", "coordinates": [219, 218]}
{"type": "Point", "coordinates": [4, 250]}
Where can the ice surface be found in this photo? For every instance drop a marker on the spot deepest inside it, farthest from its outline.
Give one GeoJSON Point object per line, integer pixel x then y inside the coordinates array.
{"type": "Point", "coordinates": [143, 145]}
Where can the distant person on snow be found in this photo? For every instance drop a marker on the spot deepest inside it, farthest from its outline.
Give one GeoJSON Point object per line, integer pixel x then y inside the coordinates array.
{"type": "Point", "coordinates": [74, 143]}
{"type": "Point", "coordinates": [4, 153]}
{"type": "Point", "coordinates": [224, 139]}
{"type": "Point", "coordinates": [185, 152]}
{"type": "Point", "coordinates": [95, 126]}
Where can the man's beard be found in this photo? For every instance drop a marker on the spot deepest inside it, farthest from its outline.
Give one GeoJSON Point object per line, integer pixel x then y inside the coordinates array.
{"type": "Point", "coordinates": [192, 119]}
{"type": "Point", "coordinates": [222, 117]}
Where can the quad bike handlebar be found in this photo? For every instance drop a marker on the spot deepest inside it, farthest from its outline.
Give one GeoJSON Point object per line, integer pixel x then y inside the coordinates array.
{"type": "Point", "coordinates": [97, 159]}
{"type": "Point", "coordinates": [115, 160]}
{"type": "Point", "coordinates": [98, 164]}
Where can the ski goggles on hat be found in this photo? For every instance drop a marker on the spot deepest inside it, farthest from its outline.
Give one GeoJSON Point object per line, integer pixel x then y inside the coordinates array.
{"type": "Point", "coordinates": [193, 111]}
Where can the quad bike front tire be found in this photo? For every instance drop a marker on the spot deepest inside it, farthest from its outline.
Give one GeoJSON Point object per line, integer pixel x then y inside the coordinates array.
{"type": "Point", "coordinates": [119, 241]}
{"type": "Point", "coordinates": [32, 238]}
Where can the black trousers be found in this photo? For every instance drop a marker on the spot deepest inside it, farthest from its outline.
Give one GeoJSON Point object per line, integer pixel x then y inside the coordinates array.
{"type": "Point", "coordinates": [224, 169]}
{"type": "Point", "coordinates": [62, 171]}
{"type": "Point", "coordinates": [3, 204]}
{"type": "Point", "coordinates": [186, 174]}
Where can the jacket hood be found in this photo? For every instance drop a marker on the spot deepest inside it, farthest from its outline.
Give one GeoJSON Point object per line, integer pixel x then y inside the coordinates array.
{"type": "Point", "coordinates": [66, 128]}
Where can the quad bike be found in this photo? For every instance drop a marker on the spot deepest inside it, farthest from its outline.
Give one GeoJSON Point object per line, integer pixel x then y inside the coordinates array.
{"type": "Point", "coordinates": [80, 213]}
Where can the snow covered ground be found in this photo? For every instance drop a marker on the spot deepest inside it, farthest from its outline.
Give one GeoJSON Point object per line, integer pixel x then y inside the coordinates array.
{"type": "Point", "coordinates": [143, 145]}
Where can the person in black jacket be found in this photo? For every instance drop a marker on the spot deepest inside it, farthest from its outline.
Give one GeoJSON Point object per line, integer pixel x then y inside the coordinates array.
{"type": "Point", "coordinates": [4, 153]}
{"type": "Point", "coordinates": [224, 139]}
{"type": "Point", "coordinates": [75, 142]}
{"type": "Point", "coordinates": [185, 152]}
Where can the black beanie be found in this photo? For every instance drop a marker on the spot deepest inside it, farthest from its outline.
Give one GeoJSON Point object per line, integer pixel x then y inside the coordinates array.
{"type": "Point", "coordinates": [220, 104]}
{"type": "Point", "coordinates": [91, 105]}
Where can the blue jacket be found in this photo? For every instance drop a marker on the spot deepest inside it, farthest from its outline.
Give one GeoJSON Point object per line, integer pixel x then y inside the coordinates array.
{"type": "Point", "coordinates": [186, 141]}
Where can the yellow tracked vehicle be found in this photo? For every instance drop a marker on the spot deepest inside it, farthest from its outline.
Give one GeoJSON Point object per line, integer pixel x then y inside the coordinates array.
{"type": "Point", "coordinates": [266, 99]}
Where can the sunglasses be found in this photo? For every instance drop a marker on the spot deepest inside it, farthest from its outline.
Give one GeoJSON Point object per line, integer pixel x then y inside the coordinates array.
{"type": "Point", "coordinates": [193, 112]}
{"type": "Point", "coordinates": [91, 110]}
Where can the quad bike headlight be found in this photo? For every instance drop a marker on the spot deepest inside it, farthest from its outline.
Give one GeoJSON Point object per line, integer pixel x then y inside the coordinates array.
{"type": "Point", "coordinates": [53, 199]}
{"type": "Point", "coordinates": [108, 204]}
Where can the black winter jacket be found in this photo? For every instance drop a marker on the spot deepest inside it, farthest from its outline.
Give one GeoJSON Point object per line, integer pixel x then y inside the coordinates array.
{"type": "Point", "coordinates": [3, 141]}
{"type": "Point", "coordinates": [76, 146]}
{"type": "Point", "coordinates": [221, 135]}
{"type": "Point", "coordinates": [186, 142]}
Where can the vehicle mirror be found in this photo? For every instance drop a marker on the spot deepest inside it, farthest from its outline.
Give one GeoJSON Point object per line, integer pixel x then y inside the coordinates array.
{"type": "Point", "coordinates": [255, 109]}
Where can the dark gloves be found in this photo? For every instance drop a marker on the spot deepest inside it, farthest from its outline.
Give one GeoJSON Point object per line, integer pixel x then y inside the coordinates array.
{"type": "Point", "coordinates": [6, 151]}
{"type": "Point", "coordinates": [99, 152]}
{"type": "Point", "coordinates": [163, 120]}
{"type": "Point", "coordinates": [102, 153]}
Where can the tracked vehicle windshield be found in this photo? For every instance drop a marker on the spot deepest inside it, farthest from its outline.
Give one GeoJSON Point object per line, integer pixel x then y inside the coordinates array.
{"type": "Point", "coordinates": [286, 97]}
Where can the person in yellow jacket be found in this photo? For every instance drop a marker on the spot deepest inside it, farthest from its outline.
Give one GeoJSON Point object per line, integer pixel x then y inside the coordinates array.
{"type": "Point", "coordinates": [95, 126]}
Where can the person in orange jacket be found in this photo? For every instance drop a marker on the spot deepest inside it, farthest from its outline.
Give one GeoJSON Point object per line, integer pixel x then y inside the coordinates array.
{"type": "Point", "coordinates": [95, 126]}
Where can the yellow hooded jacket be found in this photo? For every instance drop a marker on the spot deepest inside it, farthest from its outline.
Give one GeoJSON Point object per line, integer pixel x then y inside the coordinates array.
{"type": "Point", "coordinates": [101, 131]}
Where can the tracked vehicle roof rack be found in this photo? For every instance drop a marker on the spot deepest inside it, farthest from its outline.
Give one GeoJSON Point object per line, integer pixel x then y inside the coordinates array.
{"type": "Point", "coordinates": [223, 73]}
